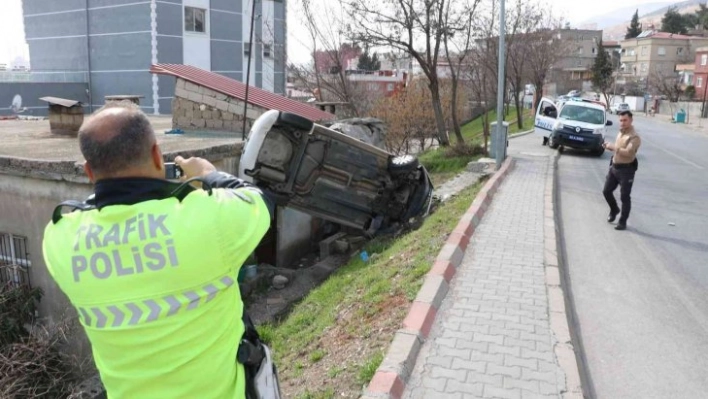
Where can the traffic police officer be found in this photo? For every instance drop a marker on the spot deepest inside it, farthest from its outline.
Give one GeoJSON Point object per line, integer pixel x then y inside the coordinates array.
{"type": "Point", "coordinates": [151, 266]}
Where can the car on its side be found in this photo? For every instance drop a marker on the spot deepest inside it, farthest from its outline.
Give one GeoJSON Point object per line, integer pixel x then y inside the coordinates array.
{"type": "Point", "coordinates": [335, 177]}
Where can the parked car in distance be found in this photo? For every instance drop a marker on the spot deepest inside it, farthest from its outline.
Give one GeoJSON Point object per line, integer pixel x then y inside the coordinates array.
{"type": "Point", "coordinates": [617, 108]}
{"type": "Point", "coordinates": [574, 93]}
{"type": "Point", "coordinates": [335, 177]}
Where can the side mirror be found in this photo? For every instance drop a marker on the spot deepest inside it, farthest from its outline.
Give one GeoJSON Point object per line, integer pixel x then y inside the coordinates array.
{"type": "Point", "coordinates": [608, 123]}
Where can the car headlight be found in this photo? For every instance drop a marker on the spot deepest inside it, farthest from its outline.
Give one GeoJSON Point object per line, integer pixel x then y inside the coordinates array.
{"type": "Point", "coordinates": [558, 125]}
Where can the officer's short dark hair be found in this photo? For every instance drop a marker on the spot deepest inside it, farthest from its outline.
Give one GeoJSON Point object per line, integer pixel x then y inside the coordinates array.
{"type": "Point", "coordinates": [131, 145]}
{"type": "Point", "coordinates": [627, 113]}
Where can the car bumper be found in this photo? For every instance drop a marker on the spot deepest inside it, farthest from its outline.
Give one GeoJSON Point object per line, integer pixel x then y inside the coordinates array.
{"type": "Point", "coordinates": [579, 141]}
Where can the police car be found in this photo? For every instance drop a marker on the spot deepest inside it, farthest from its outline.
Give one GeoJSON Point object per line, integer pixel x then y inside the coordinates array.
{"type": "Point", "coordinates": [578, 123]}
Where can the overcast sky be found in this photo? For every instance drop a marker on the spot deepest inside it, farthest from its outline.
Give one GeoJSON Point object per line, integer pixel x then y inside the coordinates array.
{"type": "Point", "coordinates": [12, 32]}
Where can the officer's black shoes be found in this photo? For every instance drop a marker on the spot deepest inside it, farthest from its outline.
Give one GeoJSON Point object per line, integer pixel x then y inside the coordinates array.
{"type": "Point", "coordinates": [611, 218]}
{"type": "Point", "coordinates": [621, 227]}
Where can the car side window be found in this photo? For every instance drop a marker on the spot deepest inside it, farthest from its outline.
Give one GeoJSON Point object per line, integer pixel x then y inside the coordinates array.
{"type": "Point", "coordinates": [549, 110]}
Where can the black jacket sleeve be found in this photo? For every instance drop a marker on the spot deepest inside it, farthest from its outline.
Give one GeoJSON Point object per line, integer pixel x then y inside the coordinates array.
{"type": "Point", "coordinates": [220, 179]}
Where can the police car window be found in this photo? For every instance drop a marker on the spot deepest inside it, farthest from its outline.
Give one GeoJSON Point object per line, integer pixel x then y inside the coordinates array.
{"type": "Point", "coordinates": [583, 114]}
{"type": "Point", "coordinates": [548, 109]}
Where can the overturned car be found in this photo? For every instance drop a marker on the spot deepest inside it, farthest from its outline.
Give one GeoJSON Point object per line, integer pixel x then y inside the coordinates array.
{"type": "Point", "coordinates": [330, 175]}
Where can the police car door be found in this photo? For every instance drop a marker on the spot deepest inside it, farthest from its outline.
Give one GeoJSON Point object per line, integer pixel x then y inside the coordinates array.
{"type": "Point", "coordinates": [546, 115]}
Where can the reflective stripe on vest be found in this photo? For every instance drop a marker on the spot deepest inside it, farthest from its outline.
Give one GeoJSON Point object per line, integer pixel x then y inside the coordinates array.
{"type": "Point", "coordinates": [134, 313]}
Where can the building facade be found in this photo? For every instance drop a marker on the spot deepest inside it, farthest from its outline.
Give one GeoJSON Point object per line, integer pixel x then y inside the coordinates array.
{"type": "Point", "coordinates": [655, 52]}
{"type": "Point", "coordinates": [574, 69]}
{"type": "Point", "coordinates": [111, 44]}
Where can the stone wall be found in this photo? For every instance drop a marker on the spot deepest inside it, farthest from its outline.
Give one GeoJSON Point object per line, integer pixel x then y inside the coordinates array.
{"type": "Point", "coordinates": [197, 108]}
{"type": "Point", "coordinates": [65, 120]}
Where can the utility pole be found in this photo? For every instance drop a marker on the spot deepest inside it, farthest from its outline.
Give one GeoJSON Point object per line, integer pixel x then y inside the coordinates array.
{"type": "Point", "coordinates": [248, 70]}
{"type": "Point", "coordinates": [500, 145]}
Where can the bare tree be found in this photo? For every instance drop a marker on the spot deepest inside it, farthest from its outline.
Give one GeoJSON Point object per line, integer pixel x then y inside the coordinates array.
{"type": "Point", "coordinates": [327, 75]}
{"type": "Point", "coordinates": [459, 35]}
{"type": "Point", "coordinates": [666, 82]}
{"type": "Point", "coordinates": [545, 49]}
{"type": "Point", "coordinates": [524, 20]}
{"type": "Point", "coordinates": [414, 26]}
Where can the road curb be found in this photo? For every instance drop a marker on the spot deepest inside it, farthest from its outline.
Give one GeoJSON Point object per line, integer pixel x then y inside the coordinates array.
{"type": "Point", "coordinates": [391, 377]}
{"type": "Point", "coordinates": [515, 135]}
{"type": "Point", "coordinates": [564, 349]}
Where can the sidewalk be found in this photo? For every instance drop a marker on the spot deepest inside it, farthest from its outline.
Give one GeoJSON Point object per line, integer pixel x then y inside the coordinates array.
{"type": "Point", "coordinates": [492, 336]}
{"type": "Point", "coordinates": [490, 320]}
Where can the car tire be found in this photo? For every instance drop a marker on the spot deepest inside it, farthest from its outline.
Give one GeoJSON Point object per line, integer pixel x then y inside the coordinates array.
{"type": "Point", "coordinates": [403, 164]}
{"type": "Point", "coordinates": [293, 120]}
{"type": "Point", "coordinates": [552, 142]}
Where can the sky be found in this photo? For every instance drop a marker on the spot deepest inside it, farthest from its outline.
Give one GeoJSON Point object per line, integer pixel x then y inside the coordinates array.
{"type": "Point", "coordinates": [12, 31]}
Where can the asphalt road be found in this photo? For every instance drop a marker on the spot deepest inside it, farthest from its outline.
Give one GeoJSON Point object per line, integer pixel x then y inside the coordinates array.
{"type": "Point", "coordinates": [641, 295]}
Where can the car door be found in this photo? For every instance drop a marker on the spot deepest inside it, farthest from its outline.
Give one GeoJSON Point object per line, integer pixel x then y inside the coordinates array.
{"type": "Point", "coordinates": [546, 115]}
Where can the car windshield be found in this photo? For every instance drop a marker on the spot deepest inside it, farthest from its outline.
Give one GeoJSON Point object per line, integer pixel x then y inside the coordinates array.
{"type": "Point", "coordinates": [582, 114]}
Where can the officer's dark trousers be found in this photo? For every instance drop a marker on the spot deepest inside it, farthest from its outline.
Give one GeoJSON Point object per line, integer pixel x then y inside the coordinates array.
{"type": "Point", "coordinates": [623, 177]}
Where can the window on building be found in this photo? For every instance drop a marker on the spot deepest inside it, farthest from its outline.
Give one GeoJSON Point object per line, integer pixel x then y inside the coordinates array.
{"type": "Point", "coordinates": [644, 50]}
{"type": "Point", "coordinates": [247, 48]}
{"type": "Point", "coordinates": [644, 67]}
{"type": "Point", "coordinates": [704, 59]}
{"type": "Point", "coordinates": [580, 63]}
{"type": "Point", "coordinates": [580, 50]}
{"type": "Point", "coordinates": [594, 51]}
{"type": "Point", "coordinates": [661, 51]}
{"type": "Point", "coordinates": [14, 260]}
{"type": "Point", "coordinates": [699, 82]}
{"type": "Point", "coordinates": [194, 20]}
{"type": "Point", "coordinates": [389, 87]}
{"type": "Point", "coordinates": [266, 50]}
{"type": "Point", "coordinates": [679, 50]}
{"type": "Point", "coordinates": [372, 87]}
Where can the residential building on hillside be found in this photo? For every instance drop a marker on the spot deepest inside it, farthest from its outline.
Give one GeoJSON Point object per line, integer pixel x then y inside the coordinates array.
{"type": "Point", "coordinates": [655, 52]}
{"type": "Point", "coordinates": [574, 70]}
{"type": "Point", "coordinates": [111, 44]}
{"type": "Point", "coordinates": [700, 72]}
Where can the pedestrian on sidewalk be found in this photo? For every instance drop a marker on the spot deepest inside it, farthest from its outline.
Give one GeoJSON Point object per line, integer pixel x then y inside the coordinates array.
{"type": "Point", "coordinates": [623, 166]}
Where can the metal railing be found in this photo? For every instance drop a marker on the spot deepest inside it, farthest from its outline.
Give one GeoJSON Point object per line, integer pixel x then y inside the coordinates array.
{"type": "Point", "coordinates": [14, 260]}
{"type": "Point", "coordinates": [44, 76]}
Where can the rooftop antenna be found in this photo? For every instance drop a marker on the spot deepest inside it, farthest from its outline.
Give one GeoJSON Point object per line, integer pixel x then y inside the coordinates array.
{"type": "Point", "coordinates": [248, 70]}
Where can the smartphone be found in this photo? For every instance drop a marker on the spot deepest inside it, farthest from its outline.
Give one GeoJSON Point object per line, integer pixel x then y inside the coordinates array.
{"type": "Point", "coordinates": [173, 171]}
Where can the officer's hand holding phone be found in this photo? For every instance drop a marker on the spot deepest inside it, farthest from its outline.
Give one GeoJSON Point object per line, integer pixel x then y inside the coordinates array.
{"type": "Point", "coordinates": [194, 167]}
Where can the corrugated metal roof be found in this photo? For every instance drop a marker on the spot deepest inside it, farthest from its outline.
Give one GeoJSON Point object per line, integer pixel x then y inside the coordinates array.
{"type": "Point", "coordinates": [236, 89]}
{"type": "Point", "coordinates": [60, 101]}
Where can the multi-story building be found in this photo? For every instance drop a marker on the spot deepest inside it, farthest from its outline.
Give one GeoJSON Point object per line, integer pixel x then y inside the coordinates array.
{"type": "Point", "coordinates": [700, 73]}
{"type": "Point", "coordinates": [110, 44]}
{"type": "Point", "coordinates": [655, 52]}
{"type": "Point", "coordinates": [574, 69]}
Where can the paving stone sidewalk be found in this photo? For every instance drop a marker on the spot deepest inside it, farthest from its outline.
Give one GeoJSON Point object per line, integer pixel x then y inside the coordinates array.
{"type": "Point", "coordinates": [492, 336]}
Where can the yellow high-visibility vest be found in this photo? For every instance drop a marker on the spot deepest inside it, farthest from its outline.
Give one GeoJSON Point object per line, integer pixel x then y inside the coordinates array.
{"type": "Point", "coordinates": [155, 287]}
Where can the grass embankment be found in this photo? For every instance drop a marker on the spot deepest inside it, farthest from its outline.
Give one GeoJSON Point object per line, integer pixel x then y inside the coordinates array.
{"type": "Point", "coordinates": [445, 163]}
{"type": "Point", "coordinates": [333, 341]}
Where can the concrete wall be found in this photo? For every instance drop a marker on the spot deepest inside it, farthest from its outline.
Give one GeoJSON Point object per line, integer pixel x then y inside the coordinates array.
{"type": "Point", "coordinates": [32, 92]}
{"type": "Point", "coordinates": [125, 37]}
{"type": "Point", "coordinates": [197, 108]}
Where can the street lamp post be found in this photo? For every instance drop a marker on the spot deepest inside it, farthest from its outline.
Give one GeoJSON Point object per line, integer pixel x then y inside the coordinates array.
{"type": "Point", "coordinates": [500, 143]}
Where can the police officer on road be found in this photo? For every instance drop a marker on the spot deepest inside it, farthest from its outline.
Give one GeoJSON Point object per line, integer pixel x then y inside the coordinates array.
{"type": "Point", "coordinates": [151, 266]}
{"type": "Point", "coordinates": [623, 166]}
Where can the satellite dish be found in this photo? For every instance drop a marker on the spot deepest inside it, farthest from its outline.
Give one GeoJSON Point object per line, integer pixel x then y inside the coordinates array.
{"type": "Point", "coordinates": [16, 103]}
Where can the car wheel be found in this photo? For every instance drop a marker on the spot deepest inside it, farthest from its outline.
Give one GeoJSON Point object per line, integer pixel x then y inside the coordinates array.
{"type": "Point", "coordinates": [552, 142]}
{"type": "Point", "coordinates": [293, 120]}
{"type": "Point", "coordinates": [403, 164]}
